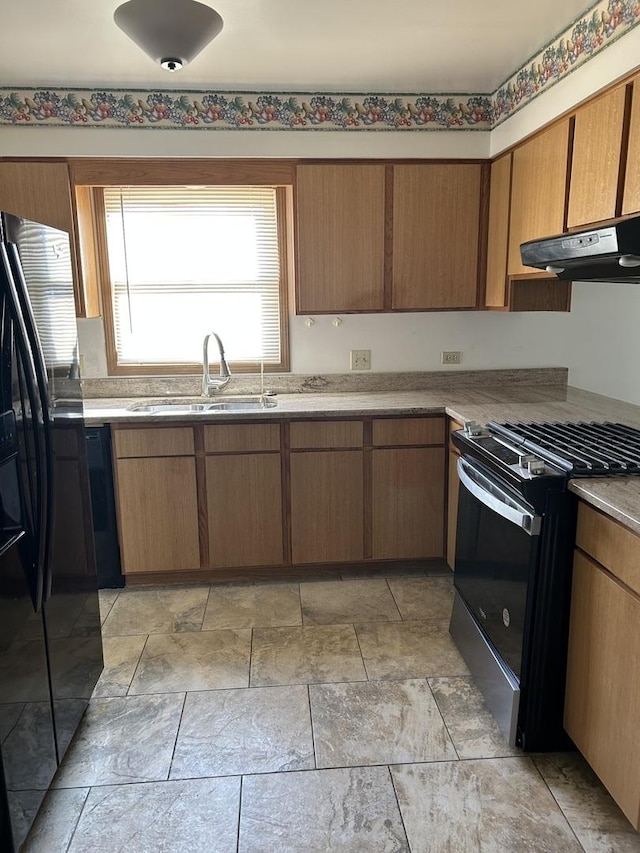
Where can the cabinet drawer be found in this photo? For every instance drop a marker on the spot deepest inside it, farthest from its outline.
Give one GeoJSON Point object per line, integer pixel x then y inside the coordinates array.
{"type": "Point", "coordinates": [241, 438]}
{"type": "Point", "coordinates": [325, 434]}
{"type": "Point", "coordinates": [399, 431]}
{"type": "Point", "coordinates": [156, 441]}
{"type": "Point", "coordinates": [610, 544]}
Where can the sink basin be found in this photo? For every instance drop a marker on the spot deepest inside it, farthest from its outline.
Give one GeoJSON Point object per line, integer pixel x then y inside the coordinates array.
{"type": "Point", "coordinates": [176, 408]}
{"type": "Point", "coordinates": [179, 407]}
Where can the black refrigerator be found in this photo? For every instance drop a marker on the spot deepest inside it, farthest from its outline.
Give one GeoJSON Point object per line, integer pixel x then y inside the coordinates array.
{"type": "Point", "coordinates": [50, 639]}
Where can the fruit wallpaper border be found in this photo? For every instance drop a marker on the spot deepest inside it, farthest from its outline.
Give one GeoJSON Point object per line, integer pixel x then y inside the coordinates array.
{"type": "Point", "coordinates": [597, 28]}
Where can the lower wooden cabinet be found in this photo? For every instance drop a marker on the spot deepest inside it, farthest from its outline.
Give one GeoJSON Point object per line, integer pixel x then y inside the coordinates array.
{"type": "Point", "coordinates": [243, 495]}
{"type": "Point", "coordinates": [327, 506]}
{"type": "Point", "coordinates": [244, 510]}
{"type": "Point", "coordinates": [158, 514]}
{"type": "Point", "coordinates": [602, 707]}
{"type": "Point", "coordinates": [407, 504]}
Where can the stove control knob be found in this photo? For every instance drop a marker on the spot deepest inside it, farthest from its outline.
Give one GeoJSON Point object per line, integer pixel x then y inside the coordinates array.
{"type": "Point", "coordinates": [536, 466]}
{"type": "Point", "coordinates": [472, 428]}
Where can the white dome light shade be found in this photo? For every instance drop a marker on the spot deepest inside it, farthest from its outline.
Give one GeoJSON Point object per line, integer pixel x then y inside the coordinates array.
{"type": "Point", "coordinates": [171, 32]}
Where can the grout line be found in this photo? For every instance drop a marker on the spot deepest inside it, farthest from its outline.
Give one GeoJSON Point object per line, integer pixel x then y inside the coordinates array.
{"type": "Point", "coordinates": [548, 787]}
{"type": "Point", "coordinates": [137, 666]}
{"type": "Point", "coordinates": [364, 663]}
{"type": "Point", "coordinates": [175, 743]}
{"type": "Point", "coordinates": [313, 730]}
{"type": "Point", "coordinates": [239, 813]}
{"type": "Point", "coordinates": [397, 606]}
{"type": "Point", "coordinates": [395, 794]}
{"type": "Point", "coordinates": [80, 813]}
{"type": "Point", "coordinates": [435, 699]}
{"type": "Point", "coordinates": [249, 684]}
{"type": "Point", "coordinates": [206, 605]}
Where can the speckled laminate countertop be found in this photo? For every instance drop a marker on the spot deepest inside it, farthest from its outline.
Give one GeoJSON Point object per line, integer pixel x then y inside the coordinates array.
{"type": "Point", "coordinates": [618, 497]}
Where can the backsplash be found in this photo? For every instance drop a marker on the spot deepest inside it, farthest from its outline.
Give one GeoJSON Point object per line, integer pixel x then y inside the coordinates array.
{"type": "Point", "coordinates": [291, 383]}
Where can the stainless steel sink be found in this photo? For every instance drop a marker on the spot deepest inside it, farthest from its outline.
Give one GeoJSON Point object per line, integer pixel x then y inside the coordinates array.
{"type": "Point", "coordinates": [179, 407]}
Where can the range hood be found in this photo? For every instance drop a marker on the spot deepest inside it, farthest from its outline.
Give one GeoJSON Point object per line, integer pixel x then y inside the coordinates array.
{"type": "Point", "coordinates": [608, 252]}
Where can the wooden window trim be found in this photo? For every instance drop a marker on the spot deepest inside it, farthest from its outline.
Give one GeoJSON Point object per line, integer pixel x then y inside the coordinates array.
{"type": "Point", "coordinates": [104, 279]}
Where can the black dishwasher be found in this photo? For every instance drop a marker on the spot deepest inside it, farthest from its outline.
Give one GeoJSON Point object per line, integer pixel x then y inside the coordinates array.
{"type": "Point", "coordinates": [103, 507]}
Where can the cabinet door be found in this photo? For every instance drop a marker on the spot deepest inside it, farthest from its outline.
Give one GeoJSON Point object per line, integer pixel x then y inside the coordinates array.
{"type": "Point", "coordinates": [340, 238]}
{"type": "Point", "coordinates": [37, 191]}
{"type": "Point", "coordinates": [498, 237]}
{"type": "Point", "coordinates": [538, 190]}
{"type": "Point", "coordinates": [244, 509]}
{"type": "Point", "coordinates": [407, 503]}
{"type": "Point", "coordinates": [595, 165]}
{"type": "Point", "coordinates": [436, 214]}
{"type": "Point", "coordinates": [327, 506]}
{"type": "Point", "coordinates": [602, 708]}
{"type": "Point", "coordinates": [631, 197]}
{"type": "Point", "coordinates": [158, 514]}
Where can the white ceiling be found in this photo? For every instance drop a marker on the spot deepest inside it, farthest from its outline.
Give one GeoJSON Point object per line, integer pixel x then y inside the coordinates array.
{"type": "Point", "coordinates": [291, 45]}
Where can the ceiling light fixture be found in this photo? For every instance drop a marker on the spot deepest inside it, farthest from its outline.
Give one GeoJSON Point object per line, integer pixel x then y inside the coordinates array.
{"type": "Point", "coordinates": [171, 32]}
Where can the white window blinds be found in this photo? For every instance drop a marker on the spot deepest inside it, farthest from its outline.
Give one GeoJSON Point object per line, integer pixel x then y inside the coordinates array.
{"type": "Point", "coordinates": [185, 261]}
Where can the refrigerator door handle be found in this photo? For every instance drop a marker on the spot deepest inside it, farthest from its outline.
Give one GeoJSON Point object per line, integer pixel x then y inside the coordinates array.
{"type": "Point", "coordinates": [40, 375]}
{"type": "Point", "coordinates": [30, 378]}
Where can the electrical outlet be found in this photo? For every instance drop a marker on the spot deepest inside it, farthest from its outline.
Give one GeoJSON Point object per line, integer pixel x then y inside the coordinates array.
{"type": "Point", "coordinates": [360, 359]}
{"type": "Point", "coordinates": [451, 357]}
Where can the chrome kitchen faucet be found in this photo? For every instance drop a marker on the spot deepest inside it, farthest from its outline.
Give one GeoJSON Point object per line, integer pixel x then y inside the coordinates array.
{"type": "Point", "coordinates": [211, 385]}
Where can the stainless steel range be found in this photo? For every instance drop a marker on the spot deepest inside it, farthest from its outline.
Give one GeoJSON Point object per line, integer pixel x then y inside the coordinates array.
{"type": "Point", "coordinates": [514, 547]}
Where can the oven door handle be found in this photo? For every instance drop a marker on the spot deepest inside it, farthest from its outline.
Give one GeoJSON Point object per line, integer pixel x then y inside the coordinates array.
{"type": "Point", "coordinates": [496, 499]}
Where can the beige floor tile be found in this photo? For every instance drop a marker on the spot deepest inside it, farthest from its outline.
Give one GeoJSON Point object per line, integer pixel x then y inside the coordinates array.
{"type": "Point", "coordinates": [121, 656]}
{"type": "Point", "coordinates": [253, 730]}
{"type": "Point", "coordinates": [321, 811]}
{"type": "Point", "coordinates": [156, 611]}
{"type": "Point", "coordinates": [127, 739]}
{"type": "Point", "coordinates": [409, 650]}
{"type": "Point", "coordinates": [265, 606]}
{"type": "Point", "coordinates": [197, 815]}
{"type": "Point", "coordinates": [473, 729]}
{"type": "Point", "coordinates": [423, 598]}
{"type": "Point", "coordinates": [594, 817]}
{"type": "Point", "coordinates": [204, 660]}
{"type": "Point", "coordinates": [333, 603]}
{"type": "Point", "coordinates": [305, 655]}
{"type": "Point", "coordinates": [498, 805]}
{"type": "Point", "coordinates": [56, 821]}
{"type": "Point", "coordinates": [379, 722]}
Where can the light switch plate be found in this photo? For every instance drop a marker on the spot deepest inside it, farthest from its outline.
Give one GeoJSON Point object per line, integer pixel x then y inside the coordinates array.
{"type": "Point", "coordinates": [360, 359]}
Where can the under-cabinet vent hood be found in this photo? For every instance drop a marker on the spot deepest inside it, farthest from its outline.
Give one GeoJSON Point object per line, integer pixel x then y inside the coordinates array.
{"type": "Point", "coordinates": [608, 252]}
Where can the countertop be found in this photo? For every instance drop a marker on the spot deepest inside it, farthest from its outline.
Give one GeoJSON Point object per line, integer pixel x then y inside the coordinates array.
{"type": "Point", "coordinates": [618, 497]}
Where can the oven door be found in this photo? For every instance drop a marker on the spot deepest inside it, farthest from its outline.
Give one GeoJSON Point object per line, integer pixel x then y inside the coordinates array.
{"type": "Point", "coordinates": [497, 548]}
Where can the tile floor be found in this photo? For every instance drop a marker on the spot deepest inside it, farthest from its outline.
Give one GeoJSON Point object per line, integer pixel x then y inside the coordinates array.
{"type": "Point", "coordinates": [321, 716]}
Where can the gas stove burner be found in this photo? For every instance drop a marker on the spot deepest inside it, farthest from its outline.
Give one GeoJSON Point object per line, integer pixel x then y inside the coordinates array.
{"type": "Point", "coordinates": [580, 449]}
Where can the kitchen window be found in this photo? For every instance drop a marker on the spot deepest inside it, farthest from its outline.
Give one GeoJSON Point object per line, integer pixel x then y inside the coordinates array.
{"type": "Point", "coordinates": [181, 261]}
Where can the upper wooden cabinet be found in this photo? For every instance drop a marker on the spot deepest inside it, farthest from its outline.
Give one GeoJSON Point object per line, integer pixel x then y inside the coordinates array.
{"type": "Point", "coordinates": [597, 156]}
{"type": "Point", "coordinates": [498, 232]}
{"type": "Point", "coordinates": [538, 190]}
{"type": "Point", "coordinates": [436, 214]}
{"type": "Point", "coordinates": [631, 196]}
{"type": "Point", "coordinates": [340, 238]}
{"type": "Point", "coordinates": [383, 238]}
{"type": "Point", "coordinates": [40, 190]}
